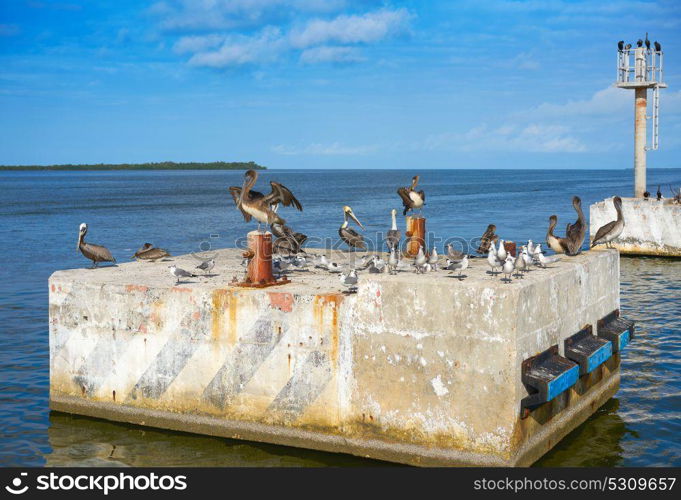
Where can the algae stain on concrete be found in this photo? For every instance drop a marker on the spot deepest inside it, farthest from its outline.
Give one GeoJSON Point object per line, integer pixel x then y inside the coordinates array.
{"type": "Point", "coordinates": [223, 315]}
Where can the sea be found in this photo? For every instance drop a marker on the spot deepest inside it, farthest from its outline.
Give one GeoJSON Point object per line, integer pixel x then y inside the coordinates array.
{"type": "Point", "coordinates": [189, 210]}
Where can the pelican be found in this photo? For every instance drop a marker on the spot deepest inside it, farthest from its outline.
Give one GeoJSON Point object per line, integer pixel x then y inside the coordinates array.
{"type": "Point", "coordinates": [348, 235]}
{"type": "Point", "coordinates": [393, 236]}
{"type": "Point", "coordinates": [206, 266]}
{"type": "Point", "coordinates": [488, 238]}
{"type": "Point", "coordinates": [150, 252]}
{"type": "Point", "coordinates": [180, 273]}
{"type": "Point", "coordinates": [556, 243]}
{"type": "Point", "coordinates": [96, 253]}
{"type": "Point", "coordinates": [508, 268]}
{"type": "Point", "coordinates": [411, 198]}
{"type": "Point", "coordinates": [460, 266]}
{"type": "Point", "coordinates": [611, 230]}
{"type": "Point", "coordinates": [262, 207]}
{"type": "Point", "coordinates": [575, 233]}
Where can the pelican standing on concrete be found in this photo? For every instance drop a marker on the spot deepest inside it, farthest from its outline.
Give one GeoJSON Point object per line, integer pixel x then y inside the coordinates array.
{"type": "Point", "coordinates": [556, 243]}
{"type": "Point", "coordinates": [96, 253]}
{"type": "Point", "coordinates": [575, 233]}
{"type": "Point", "coordinates": [262, 207]}
{"type": "Point", "coordinates": [393, 236]}
{"type": "Point", "coordinates": [611, 230]}
{"type": "Point", "coordinates": [412, 199]}
{"type": "Point", "coordinates": [349, 235]}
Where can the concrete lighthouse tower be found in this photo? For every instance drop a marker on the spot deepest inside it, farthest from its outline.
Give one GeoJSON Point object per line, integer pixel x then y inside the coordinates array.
{"type": "Point", "coordinates": [640, 69]}
{"type": "Point", "coordinates": [652, 225]}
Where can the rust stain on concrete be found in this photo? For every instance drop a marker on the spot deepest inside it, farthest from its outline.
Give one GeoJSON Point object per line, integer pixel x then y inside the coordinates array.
{"type": "Point", "coordinates": [136, 288]}
{"type": "Point", "coordinates": [281, 300]}
{"type": "Point", "coordinates": [223, 312]}
{"type": "Point", "coordinates": [331, 303]}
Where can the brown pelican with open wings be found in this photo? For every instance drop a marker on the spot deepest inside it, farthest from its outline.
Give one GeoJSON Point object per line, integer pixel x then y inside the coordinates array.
{"type": "Point", "coordinates": [262, 206]}
{"type": "Point", "coordinates": [411, 198]}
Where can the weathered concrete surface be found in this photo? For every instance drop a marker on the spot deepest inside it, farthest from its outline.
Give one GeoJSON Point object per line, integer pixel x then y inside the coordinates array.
{"type": "Point", "coordinates": [420, 369]}
{"type": "Point", "coordinates": [650, 227]}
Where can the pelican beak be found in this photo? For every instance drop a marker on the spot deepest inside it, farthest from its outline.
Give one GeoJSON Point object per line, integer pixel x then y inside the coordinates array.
{"type": "Point", "coordinates": [352, 216]}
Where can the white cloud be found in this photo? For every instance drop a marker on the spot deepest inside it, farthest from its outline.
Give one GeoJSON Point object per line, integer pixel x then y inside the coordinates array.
{"type": "Point", "coordinates": [532, 138]}
{"type": "Point", "coordinates": [367, 28]}
{"type": "Point", "coordinates": [317, 149]}
{"type": "Point", "coordinates": [330, 54]}
{"type": "Point", "coordinates": [243, 50]}
{"type": "Point", "coordinates": [197, 43]}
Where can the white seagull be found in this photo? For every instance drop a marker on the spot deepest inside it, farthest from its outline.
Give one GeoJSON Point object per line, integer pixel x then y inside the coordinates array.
{"type": "Point", "coordinates": [180, 273]}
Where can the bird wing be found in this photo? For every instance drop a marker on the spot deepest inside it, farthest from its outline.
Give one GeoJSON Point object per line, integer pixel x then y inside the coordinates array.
{"type": "Point", "coordinates": [236, 195]}
{"type": "Point", "coordinates": [97, 253]}
{"type": "Point", "coordinates": [602, 231]}
{"type": "Point", "coordinates": [422, 194]}
{"type": "Point", "coordinates": [281, 194]}
{"type": "Point", "coordinates": [352, 237]}
{"type": "Point", "coordinates": [404, 194]}
{"type": "Point", "coordinates": [153, 253]}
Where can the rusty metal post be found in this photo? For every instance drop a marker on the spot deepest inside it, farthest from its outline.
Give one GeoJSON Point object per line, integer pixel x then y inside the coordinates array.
{"type": "Point", "coordinates": [640, 107]}
{"type": "Point", "coordinates": [416, 234]}
{"type": "Point", "coordinates": [510, 247]}
{"type": "Point", "coordinates": [260, 266]}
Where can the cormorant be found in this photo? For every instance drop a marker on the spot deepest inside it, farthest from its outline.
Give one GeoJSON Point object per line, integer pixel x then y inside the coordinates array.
{"type": "Point", "coordinates": [658, 47]}
{"type": "Point", "coordinates": [620, 45]}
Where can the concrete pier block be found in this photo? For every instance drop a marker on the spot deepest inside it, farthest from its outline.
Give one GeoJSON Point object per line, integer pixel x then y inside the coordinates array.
{"type": "Point", "coordinates": [651, 227]}
{"type": "Point", "coordinates": [421, 369]}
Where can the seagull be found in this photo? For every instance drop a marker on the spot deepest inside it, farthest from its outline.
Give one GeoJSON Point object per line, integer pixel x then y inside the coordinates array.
{"type": "Point", "coordinates": [332, 267]}
{"type": "Point", "coordinates": [321, 262]}
{"type": "Point", "coordinates": [508, 267]}
{"type": "Point", "coordinates": [432, 260]}
{"type": "Point", "coordinates": [206, 266]}
{"type": "Point", "coordinates": [96, 253]}
{"type": "Point", "coordinates": [527, 259]}
{"type": "Point", "coordinates": [530, 246]}
{"type": "Point", "coordinates": [543, 261]}
{"type": "Point", "coordinates": [180, 273]}
{"type": "Point", "coordinates": [537, 250]}
{"type": "Point", "coordinates": [281, 265]}
{"type": "Point", "coordinates": [519, 263]}
{"type": "Point", "coordinates": [492, 259]}
{"type": "Point", "coordinates": [393, 261]}
{"type": "Point", "coordinates": [376, 265]}
{"type": "Point", "coordinates": [350, 279]}
{"type": "Point", "coordinates": [460, 266]}
{"type": "Point", "coordinates": [455, 254]}
{"type": "Point", "coordinates": [420, 261]}
{"type": "Point", "coordinates": [658, 47]}
{"type": "Point", "coordinates": [501, 252]}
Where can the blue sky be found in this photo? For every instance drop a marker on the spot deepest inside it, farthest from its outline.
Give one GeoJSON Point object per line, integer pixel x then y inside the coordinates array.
{"type": "Point", "coordinates": [330, 84]}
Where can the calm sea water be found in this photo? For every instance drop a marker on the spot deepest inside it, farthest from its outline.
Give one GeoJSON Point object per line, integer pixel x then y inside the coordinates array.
{"type": "Point", "coordinates": [183, 210]}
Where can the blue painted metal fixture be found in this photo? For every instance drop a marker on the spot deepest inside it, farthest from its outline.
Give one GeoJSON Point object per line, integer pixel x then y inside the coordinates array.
{"type": "Point", "coordinates": [547, 374]}
{"type": "Point", "coordinates": [618, 330]}
{"type": "Point", "coordinates": [587, 350]}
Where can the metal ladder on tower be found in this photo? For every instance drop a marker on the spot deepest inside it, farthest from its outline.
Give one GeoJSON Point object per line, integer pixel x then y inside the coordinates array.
{"type": "Point", "coordinates": [656, 119]}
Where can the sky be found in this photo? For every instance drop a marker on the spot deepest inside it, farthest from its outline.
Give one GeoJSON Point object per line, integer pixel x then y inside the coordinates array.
{"type": "Point", "coordinates": [330, 83]}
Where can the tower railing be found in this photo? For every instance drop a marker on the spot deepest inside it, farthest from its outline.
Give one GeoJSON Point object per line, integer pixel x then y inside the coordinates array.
{"type": "Point", "coordinates": [640, 65]}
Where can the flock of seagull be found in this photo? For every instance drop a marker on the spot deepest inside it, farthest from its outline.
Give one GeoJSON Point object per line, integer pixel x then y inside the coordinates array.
{"type": "Point", "coordinates": [289, 254]}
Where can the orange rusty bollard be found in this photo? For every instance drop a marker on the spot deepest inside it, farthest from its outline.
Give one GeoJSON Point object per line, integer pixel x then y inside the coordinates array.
{"type": "Point", "coordinates": [259, 272]}
{"type": "Point", "coordinates": [510, 247]}
{"type": "Point", "coordinates": [416, 234]}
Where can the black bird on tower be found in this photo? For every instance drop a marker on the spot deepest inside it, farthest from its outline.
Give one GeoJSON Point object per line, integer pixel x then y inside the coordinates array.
{"type": "Point", "coordinates": [627, 46]}
{"type": "Point", "coordinates": [620, 45]}
{"type": "Point", "coordinates": [658, 47]}
{"type": "Point", "coordinates": [647, 42]}
{"type": "Point", "coordinates": [639, 43]}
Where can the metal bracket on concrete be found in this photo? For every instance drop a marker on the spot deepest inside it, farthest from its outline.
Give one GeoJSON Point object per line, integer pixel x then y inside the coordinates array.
{"type": "Point", "coordinates": [587, 350]}
{"type": "Point", "coordinates": [618, 330]}
{"type": "Point", "coordinates": [549, 374]}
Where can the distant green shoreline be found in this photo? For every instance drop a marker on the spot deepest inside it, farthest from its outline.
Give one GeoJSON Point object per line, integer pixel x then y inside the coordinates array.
{"type": "Point", "coordinates": [164, 165]}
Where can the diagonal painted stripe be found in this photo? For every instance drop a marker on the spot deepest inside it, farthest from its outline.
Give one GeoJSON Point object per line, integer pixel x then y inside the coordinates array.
{"type": "Point", "coordinates": [100, 362]}
{"type": "Point", "coordinates": [305, 385]}
{"type": "Point", "coordinates": [240, 366]}
{"type": "Point", "coordinates": [167, 364]}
